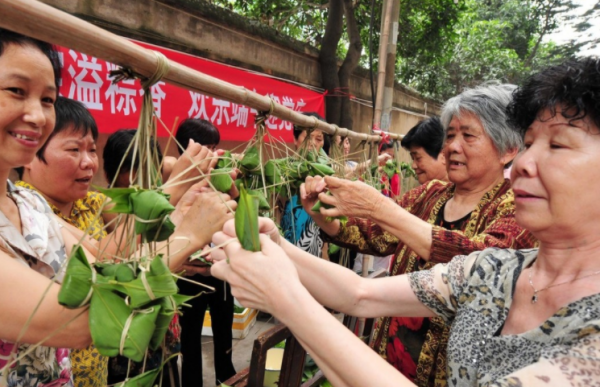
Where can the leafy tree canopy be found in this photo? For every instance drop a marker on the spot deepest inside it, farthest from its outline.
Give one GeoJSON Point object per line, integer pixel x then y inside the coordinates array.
{"type": "Point", "coordinates": [443, 46]}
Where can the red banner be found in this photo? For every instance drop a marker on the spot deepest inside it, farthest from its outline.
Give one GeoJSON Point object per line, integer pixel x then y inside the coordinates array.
{"type": "Point", "coordinates": [117, 106]}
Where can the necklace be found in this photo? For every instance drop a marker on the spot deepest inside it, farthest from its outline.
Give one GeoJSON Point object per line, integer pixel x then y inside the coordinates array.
{"type": "Point", "coordinates": [534, 298]}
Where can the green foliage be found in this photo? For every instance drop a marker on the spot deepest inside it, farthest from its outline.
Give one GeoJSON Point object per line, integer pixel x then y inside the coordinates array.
{"type": "Point", "coordinates": [443, 46]}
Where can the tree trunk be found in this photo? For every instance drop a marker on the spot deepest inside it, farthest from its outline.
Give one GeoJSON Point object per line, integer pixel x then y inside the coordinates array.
{"type": "Point", "coordinates": [350, 63]}
{"type": "Point", "coordinates": [329, 62]}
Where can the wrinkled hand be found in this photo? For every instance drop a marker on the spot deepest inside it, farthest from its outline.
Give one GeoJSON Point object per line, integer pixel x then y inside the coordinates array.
{"type": "Point", "coordinates": [258, 280]}
{"type": "Point", "coordinates": [350, 198]}
{"type": "Point", "coordinates": [206, 215]}
{"type": "Point", "coordinates": [196, 161]}
{"type": "Point", "coordinates": [310, 190]}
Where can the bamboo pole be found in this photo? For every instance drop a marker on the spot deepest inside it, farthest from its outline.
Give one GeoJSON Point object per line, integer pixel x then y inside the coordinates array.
{"type": "Point", "coordinates": [43, 22]}
{"type": "Point", "coordinates": [386, 20]}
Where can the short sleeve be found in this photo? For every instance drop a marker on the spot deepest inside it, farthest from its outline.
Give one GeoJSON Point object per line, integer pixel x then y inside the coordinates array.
{"type": "Point", "coordinates": [438, 288]}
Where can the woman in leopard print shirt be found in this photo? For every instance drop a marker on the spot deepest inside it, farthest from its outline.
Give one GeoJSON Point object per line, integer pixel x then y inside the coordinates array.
{"type": "Point", "coordinates": [519, 317]}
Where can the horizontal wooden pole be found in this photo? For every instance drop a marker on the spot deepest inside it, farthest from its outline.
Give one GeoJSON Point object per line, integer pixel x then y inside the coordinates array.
{"type": "Point", "coordinates": [43, 22]}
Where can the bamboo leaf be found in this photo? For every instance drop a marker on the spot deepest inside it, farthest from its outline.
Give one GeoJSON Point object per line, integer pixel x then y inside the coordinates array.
{"type": "Point", "coordinates": [108, 317]}
{"type": "Point", "coordinates": [168, 307]}
{"type": "Point", "coordinates": [143, 380]}
{"type": "Point", "coordinates": [158, 279]}
{"type": "Point", "coordinates": [151, 209]}
{"type": "Point", "coordinates": [121, 272]}
{"type": "Point", "coordinates": [262, 201]}
{"type": "Point", "coordinates": [246, 221]}
{"type": "Point", "coordinates": [225, 161]}
{"type": "Point", "coordinates": [222, 180]}
{"type": "Point", "coordinates": [77, 282]}
{"type": "Point", "coordinates": [119, 199]}
{"type": "Point", "coordinates": [251, 160]}
{"type": "Point", "coordinates": [321, 169]}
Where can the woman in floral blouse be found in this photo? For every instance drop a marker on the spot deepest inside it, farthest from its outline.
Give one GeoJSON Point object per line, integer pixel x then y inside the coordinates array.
{"type": "Point", "coordinates": [35, 331]}
{"type": "Point", "coordinates": [519, 317]}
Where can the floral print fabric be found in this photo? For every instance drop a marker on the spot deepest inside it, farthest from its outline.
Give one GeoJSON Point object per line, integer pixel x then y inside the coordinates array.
{"type": "Point", "coordinates": [41, 247]}
{"type": "Point", "coordinates": [90, 368]}
{"type": "Point", "coordinates": [474, 294]}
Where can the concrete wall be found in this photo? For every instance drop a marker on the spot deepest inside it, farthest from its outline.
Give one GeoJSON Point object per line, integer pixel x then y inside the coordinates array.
{"type": "Point", "coordinates": [199, 28]}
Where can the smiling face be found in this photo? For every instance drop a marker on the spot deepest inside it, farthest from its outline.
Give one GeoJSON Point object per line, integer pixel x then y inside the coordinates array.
{"type": "Point", "coordinates": [426, 167]}
{"type": "Point", "coordinates": [556, 179]}
{"type": "Point", "coordinates": [27, 95]}
{"type": "Point", "coordinates": [472, 160]}
{"type": "Point", "coordinates": [71, 162]}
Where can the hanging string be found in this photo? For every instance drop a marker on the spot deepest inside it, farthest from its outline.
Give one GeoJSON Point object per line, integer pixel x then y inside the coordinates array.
{"type": "Point", "coordinates": [148, 174]}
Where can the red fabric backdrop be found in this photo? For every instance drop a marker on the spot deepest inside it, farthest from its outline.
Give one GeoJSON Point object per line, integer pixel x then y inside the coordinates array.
{"type": "Point", "coordinates": [117, 106]}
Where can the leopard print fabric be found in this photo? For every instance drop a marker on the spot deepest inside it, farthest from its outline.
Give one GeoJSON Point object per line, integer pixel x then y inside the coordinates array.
{"type": "Point", "coordinates": [474, 293]}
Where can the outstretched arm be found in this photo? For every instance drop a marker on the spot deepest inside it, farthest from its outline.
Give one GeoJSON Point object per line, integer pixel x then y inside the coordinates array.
{"type": "Point", "coordinates": [269, 281]}
{"type": "Point", "coordinates": [341, 289]}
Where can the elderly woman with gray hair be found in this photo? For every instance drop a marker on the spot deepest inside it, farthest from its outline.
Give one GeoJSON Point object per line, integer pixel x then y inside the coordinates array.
{"type": "Point", "coordinates": [433, 222]}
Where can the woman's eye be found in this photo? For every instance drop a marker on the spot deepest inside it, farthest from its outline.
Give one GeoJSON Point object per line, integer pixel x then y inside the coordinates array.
{"type": "Point", "coordinates": [48, 100]}
{"type": "Point", "coordinates": [16, 90]}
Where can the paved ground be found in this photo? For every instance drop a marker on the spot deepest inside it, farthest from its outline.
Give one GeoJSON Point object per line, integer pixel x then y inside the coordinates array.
{"type": "Point", "coordinates": [242, 350]}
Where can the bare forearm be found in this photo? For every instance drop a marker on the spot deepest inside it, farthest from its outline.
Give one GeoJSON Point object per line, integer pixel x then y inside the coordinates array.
{"type": "Point", "coordinates": [27, 294]}
{"type": "Point", "coordinates": [345, 360]}
{"type": "Point", "coordinates": [414, 232]}
{"type": "Point", "coordinates": [341, 289]}
{"type": "Point", "coordinates": [331, 285]}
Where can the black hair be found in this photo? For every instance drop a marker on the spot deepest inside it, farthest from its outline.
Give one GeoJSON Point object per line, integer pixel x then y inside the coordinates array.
{"type": "Point", "coordinates": [70, 114]}
{"type": "Point", "coordinates": [9, 37]}
{"type": "Point", "coordinates": [327, 139]}
{"type": "Point", "coordinates": [299, 129]}
{"type": "Point", "coordinates": [116, 149]}
{"type": "Point", "coordinates": [386, 145]}
{"type": "Point", "coordinates": [201, 131]}
{"type": "Point", "coordinates": [427, 134]}
{"type": "Point", "coordinates": [573, 87]}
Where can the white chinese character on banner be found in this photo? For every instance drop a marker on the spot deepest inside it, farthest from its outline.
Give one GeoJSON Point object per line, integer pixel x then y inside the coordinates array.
{"type": "Point", "coordinates": [220, 111]}
{"type": "Point", "coordinates": [85, 91]}
{"type": "Point", "coordinates": [126, 103]}
{"type": "Point", "coordinates": [300, 105]}
{"type": "Point", "coordinates": [289, 103]}
{"type": "Point", "coordinates": [271, 121]}
{"type": "Point", "coordinates": [240, 115]}
{"type": "Point", "coordinates": [198, 109]}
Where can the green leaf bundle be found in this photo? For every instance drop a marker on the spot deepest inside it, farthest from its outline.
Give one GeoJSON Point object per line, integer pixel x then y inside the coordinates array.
{"type": "Point", "coordinates": [246, 221]}
{"type": "Point", "coordinates": [151, 209]}
{"type": "Point", "coordinates": [117, 328]}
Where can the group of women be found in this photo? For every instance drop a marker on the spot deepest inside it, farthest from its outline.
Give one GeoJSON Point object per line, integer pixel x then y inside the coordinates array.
{"type": "Point", "coordinates": [506, 276]}
{"type": "Point", "coordinates": [519, 304]}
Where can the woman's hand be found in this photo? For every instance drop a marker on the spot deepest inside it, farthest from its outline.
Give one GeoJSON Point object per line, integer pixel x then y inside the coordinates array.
{"type": "Point", "coordinates": [350, 198]}
{"type": "Point", "coordinates": [195, 162]}
{"type": "Point", "coordinates": [310, 190]}
{"type": "Point", "coordinates": [263, 280]}
{"type": "Point", "coordinates": [205, 215]}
